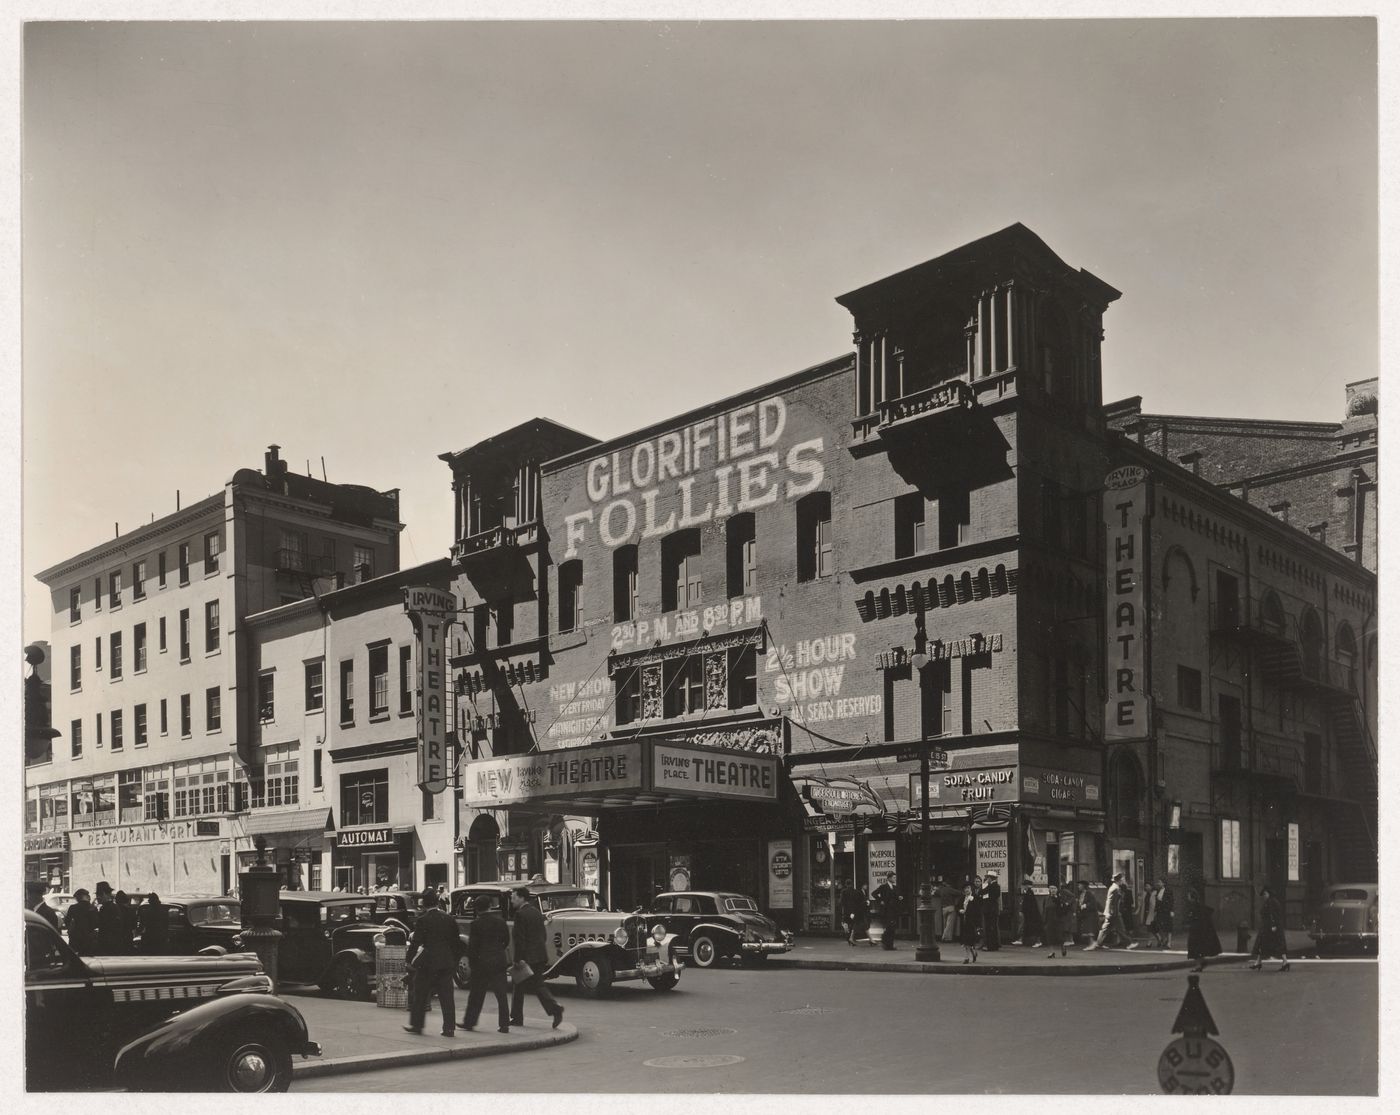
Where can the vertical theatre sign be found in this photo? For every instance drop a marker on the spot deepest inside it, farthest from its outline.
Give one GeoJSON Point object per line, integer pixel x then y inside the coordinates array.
{"type": "Point", "coordinates": [1126, 507]}
{"type": "Point", "coordinates": [431, 611]}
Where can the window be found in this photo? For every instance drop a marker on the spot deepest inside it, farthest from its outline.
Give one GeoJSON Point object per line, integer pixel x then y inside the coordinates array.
{"type": "Point", "coordinates": [117, 741]}
{"type": "Point", "coordinates": [1229, 848]}
{"type": "Point", "coordinates": [743, 677]}
{"type": "Point", "coordinates": [315, 685]}
{"type": "Point", "coordinates": [139, 721]}
{"type": "Point", "coordinates": [138, 648]}
{"type": "Point", "coordinates": [954, 519]}
{"type": "Point", "coordinates": [160, 633]}
{"type": "Point", "coordinates": [213, 718]}
{"type": "Point", "coordinates": [347, 692]}
{"type": "Point", "coordinates": [1227, 599]}
{"type": "Point", "coordinates": [405, 679]}
{"type": "Point", "coordinates": [629, 697]}
{"type": "Point", "coordinates": [211, 626]}
{"type": "Point", "coordinates": [430, 812]}
{"type": "Point", "coordinates": [157, 799]}
{"type": "Point", "coordinates": [277, 781]}
{"type": "Point", "coordinates": [684, 684]}
{"type": "Point", "coordinates": [504, 612]}
{"type": "Point", "coordinates": [292, 554]}
{"type": "Point", "coordinates": [266, 693]}
{"type": "Point", "coordinates": [571, 595]}
{"type": "Point", "coordinates": [211, 553]}
{"type": "Point", "coordinates": [327, 556]}
{"type": "Point", "coordinates": [97, 652]}
{"type": "Point", "coordinates": [160, 569]}
{"type": "Point", "coordinates": [184, 563]}
{"type": "Point", "coordinates": [75, 667]}
{"type": "Point", "coordinates": [75, 605]}
{"type": "Point", "coordinates": [184, 634]}
{"type": "Point", "coordinates": [185, 718]}
{"type": "Point", "coordinates": [316, 769]}
{"type": "Point", "coordinates": [681, 585]}
{"type": "Point", "coordinates": [164, 718]}
{"type": "Point", "coordinates": [910, 521]}
{"type": "Point", "coordinates": [364, 798]}
{"type": "Point", "coordinates": [201, 786]}
{"type": "Point", "coordinates": [625, 583]}
{"type": "Point", "coordinates": [1188, 688]}
{"type": "Point", "coordinates": [97, 595]}
{"type": "Point", "coordinates": [116, 656]}
{"type": "Point", "coordinates": [379, 680]}
{"type": "Point", "coordinates": [129, 795]}
{"type": "Point", "coordinates": [815, 556]}
{"type": "Point", "coordinates": [114, 589]}
{"type": "Point", "coordinates": [75, 738]}
{"type": "Point", "coordinates": [741, 555]}
{"type": "Point", "coordinates": [138, 581]}
{"type": "Point", "coordinates": [1229, 732]}
{"type": "Point", "coordinates": [364, 562]}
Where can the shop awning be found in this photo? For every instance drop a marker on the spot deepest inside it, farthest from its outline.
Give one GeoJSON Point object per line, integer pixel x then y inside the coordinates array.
{"type": "Point", "coordinates": [292, 828]}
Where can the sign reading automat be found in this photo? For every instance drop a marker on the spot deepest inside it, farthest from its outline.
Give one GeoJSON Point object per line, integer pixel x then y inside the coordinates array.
{"type": "Point", "coordinates": [1126, 506]}
{"type": "Point", "coordinates": [736, 461]}
{"type": "Point", "coordinates": [431, 611]}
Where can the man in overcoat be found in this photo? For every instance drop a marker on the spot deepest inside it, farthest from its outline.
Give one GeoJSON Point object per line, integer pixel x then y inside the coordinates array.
{"type": "Point", "coordinates": [528, 939]}
{"type": "Point", "coordinates": [990, 903]}
{"type": "Point", "coordinates": [432, 956]}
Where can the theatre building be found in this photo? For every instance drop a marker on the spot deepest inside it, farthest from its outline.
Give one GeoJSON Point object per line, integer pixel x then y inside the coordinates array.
{"type": "Point", "coordinates": [762, 610]}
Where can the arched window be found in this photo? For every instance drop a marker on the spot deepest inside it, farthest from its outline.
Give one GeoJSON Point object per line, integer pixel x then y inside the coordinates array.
{"type": "Point", "coordinates": [816, 555]}
{"type": "Point", "coordinates": [1126, 794]}
{"type": "Point", "coordinates": [741, 555]}
{"type": "Point", "coordinates": [1271, 613]}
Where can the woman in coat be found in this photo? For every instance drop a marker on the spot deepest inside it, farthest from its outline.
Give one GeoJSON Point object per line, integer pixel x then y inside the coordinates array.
{"type": "Point", "coordinates": [1054, 914]}
{"type": "Point", "coordinates": [1201, 939]}
{"type": "Point", "coordinates": [1032, 933]}
{"type": "Point", "coordinates": [970, 916]}
{"type": "Point", "coordinates": [1086, 915]}
{"type": "Point", "coordinates": [1269, 941]}
{"type": "Point", "coordinates": [1162, 917]}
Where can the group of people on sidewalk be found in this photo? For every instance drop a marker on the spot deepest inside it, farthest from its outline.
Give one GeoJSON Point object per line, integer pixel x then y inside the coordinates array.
{"type": "Point", "coordinates": [436, 946]}
{"type": "Point", "coordinates": [1120, 922]}
{"type": "Point", "coordinates": [112, 925]}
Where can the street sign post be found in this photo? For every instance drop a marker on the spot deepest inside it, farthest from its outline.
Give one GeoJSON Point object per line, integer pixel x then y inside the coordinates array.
{"type": "Point", "coordinates": [1194, 1064]}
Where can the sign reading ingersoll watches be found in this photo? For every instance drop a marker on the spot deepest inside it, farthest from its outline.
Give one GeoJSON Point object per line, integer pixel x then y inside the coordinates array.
{"type": "Point", "coordinates": [1127, 504]}
{"type": "Point", "coordinates": [431, 611]}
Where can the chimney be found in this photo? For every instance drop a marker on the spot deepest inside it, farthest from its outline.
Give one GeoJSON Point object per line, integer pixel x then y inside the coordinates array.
{"type": "Point", "coordinates": [273, 466]}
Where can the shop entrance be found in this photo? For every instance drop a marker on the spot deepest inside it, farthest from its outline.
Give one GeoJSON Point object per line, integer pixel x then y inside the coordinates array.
{"type": "Point", "coordinates": [639, 872]}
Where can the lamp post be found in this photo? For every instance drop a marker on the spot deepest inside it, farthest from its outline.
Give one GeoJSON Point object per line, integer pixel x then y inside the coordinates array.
{"type": "Point", "coordinates": [258, 893]}
{"type": "Point", "coordinates": [928, 942]}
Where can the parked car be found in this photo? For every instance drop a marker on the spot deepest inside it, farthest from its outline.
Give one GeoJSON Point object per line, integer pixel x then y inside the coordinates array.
{"type": "Point", "coordinates": [188, 1023]}
{"type": "Point", "coordinates": [711, 926]}
{"type": "Point", "coordinates": [1348, 919]}
{"type": "Point", "coordinates": [395, 905]}
{"type": "Point", "coordinates": [595, 947]}
{"type": "Point", "coordinates": [199, 922]}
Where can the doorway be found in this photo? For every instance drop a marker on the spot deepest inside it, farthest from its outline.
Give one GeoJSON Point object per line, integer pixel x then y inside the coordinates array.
{"type": "Point", "coordinates": [639, 872]}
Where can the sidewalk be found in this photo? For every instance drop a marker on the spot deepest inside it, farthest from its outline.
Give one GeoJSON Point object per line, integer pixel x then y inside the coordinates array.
{"type": "Point", "coordinates": [834, 954]}
{"type": "Point", "coordinates": [361, 1037]}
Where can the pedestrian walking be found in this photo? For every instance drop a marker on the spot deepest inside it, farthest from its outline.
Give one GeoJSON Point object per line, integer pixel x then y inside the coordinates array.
{"type": "Point", "coordinates": [1270, 940]}
{"type": "Point", "coordinates": [81, 923]}
{"type": "Point", "coordinates": [1162, 916]}
{"type": "Point", "coordinates": [887, 901]}
{"type": "Point", "coordinates": [34, 900]}
{"type": "Point", "coordinates": [1086, 915]}
{"type": "Point", "coordinates": [1054, 917]}
{"type": "Point", "coordinates": [154, 922]}
{"type": "Point", "coordinates": [487, 958]}
{"type": "Point", "coordinates": [989, 903]}
{"type": "Point", "coordinates": [970, 919]}
{"type": "Point", "coordinates": [131, 919]}
{"type": "Point", "coordinates": [948, 898]}
{"type": "Point", "coordinates": [1112, 928]}
{"type": "Point", "coordinates": [1149, 908]}
{"type": "Point", "coordinates": [848, 910]}
{"type": "Point", "coordinates": [1201, 939]}
{"type": "Point", "coordinates": [112, 936]}
{"type": "Point", "coordinates": [1127, 912]}
{"type": "Point", "coordinates": [862, 918]}
{"type": "Point", "coordinates": [1032, 931]}
{"type": "Point", "coordinates": [432, 958]}
{"type": "Point", "coordinates": [531, 959]}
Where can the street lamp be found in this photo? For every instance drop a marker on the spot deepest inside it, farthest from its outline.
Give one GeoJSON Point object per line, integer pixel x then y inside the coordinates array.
{"type": "Point", "coordinates": [928, 944]}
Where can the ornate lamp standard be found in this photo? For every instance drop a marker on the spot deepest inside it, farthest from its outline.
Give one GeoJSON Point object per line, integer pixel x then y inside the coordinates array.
{"type": "Point", "coordinates": [928, 942]}
{"type": "Point", "coordinates": [258, 889]}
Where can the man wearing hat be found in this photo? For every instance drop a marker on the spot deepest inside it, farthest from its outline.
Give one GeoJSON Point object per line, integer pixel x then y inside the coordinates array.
{"type": "Point", "coordinates": [990, 902]}
{"type": "Point", "coordinates": [34, 890]}
{"type": "Point", "coordinates": [432, 956]}
{"type": "Point", "coordinates": [80, 921]}
{"type": "Point", "coordinates": [112, 936]}
{"type": "Point", "coordinates": [486, 953]}
{"type": "Point", "coordinates": [1112, 917]}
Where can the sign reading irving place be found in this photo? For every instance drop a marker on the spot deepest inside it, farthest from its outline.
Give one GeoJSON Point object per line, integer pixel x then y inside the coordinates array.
{"type": "Point", "coordinates": [432, 611]}
{"type": "Point", "coordinates": [1126, 504]}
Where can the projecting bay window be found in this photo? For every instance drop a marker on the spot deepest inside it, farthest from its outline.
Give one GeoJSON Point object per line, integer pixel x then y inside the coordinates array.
{"type": "Point", "coordinates": [156, 799]}
{"type": "Point", "coordinates": [625, 604]}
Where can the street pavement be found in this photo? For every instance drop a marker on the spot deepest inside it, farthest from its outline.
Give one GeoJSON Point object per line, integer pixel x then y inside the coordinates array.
{"type": "Point", "coordinates": [775, 1029]}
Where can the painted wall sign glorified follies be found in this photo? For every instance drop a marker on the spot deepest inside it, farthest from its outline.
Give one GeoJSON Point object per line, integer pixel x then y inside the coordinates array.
{"type": "Point", "coordinates": [1126, 506]}
{"type": "Point", "coordinates": [432, 612]}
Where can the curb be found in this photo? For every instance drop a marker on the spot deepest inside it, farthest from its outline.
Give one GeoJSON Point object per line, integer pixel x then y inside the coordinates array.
{"type": "Point", "coordinates": [957, 968]}
{"type": "Point", "coordinates": [369, 1062]}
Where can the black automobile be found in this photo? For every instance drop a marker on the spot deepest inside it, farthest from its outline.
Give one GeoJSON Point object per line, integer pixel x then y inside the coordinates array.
{"type": "Point", "coordinates": [396, 906]}
{"type": "Point", "coordinates": [1349, 920]}
{"type": "Point", "coordinates": [153, 1023]}
{"type": "Point", "coordinates": [711, 926]}
{"type": "Point", "coordinates": [202, 922]}
{"type": "Point", "coordinates": [329, 939]}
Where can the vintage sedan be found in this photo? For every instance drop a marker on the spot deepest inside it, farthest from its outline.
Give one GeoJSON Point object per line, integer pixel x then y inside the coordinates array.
{"type": "Point", "coordinates": [153, 1023]}
{"type": "Point", "coordinates": [197, 923]}
{"type": "Point", "coordinates": [593, 946]}
{"type": "Point", "coordinates": [1349, 919]}
{"type": "Point", "coordinates": [711, 926]}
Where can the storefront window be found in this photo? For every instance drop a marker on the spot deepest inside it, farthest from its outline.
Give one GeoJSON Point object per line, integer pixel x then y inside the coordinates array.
{"type": "Point", "coordinates": [820, 913]}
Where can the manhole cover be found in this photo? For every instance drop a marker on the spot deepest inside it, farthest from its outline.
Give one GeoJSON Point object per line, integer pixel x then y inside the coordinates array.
{"type": "Point", "coordinates": [693, 1061]}
{"type": "Point", "coordinates": [808, 1010]}
{"type": "Point", "coordinates": [717, 1032]}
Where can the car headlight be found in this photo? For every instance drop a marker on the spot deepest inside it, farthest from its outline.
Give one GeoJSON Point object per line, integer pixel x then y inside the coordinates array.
{"type": "Point", "coordinates": [261, 983]}
{"type": "Point", "coordinates": [658, 932]}
{"type": "Point", "coordinates": [620, 936]}
{"type": "Point", "coordinates": [380, 940]}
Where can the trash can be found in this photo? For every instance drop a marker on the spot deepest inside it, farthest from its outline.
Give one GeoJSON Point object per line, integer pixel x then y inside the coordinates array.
{"type": "Point", "coordinates": [390, 970]}
{"type": "Point", "coordinates": [1242, 937]}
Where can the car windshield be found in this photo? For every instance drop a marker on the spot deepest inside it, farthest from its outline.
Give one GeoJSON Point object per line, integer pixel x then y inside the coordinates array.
{"type": "Point", "coordinates": [1349, 895]}
{"type": "Point", "coordinates": [742, 905]}
{"type": "Point", "coordinates": [343, 913]}
{"type": "Point", "coordinates": [568, 900]}
{"type": "Point", "coordinates": [215, 912]}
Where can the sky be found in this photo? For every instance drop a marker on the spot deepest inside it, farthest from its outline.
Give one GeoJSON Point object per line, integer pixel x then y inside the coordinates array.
{"type": "Point", "coordinates": [375, 242]}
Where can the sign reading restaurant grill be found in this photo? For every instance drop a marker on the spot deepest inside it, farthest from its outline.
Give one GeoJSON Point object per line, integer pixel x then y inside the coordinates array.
{"type": "Point", "coordinates": [431, 611]}
{"type": "Point", "coordinates": [123, 835]}
{"type": "Point", "coordinates": [1126, 506]}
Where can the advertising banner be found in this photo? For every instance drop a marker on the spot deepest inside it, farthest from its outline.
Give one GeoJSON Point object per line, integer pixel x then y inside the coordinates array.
{"type": "Point", "coordinates": [1127, 504]}
{"type": "Point", "coordinates": [879, 860]}
{"type": "Point", "coordinates": [79, 839]}
{"type": "Point", "coordinates": [432, 612]}
{"type": "Point", "coordinates": [780, 874]}
{"type": "Point", "coordinates": [513, 779]}
{"type": "Point", "coordinates": [1060, 787]}
{"type": "Point", "coordinates": [993, 856]}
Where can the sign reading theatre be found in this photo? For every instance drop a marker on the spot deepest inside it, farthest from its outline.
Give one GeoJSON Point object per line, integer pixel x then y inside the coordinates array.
{"type": "Point", "coordinates": [1126, 506]}
{"type": "Point", "coordinates": [431, 611]}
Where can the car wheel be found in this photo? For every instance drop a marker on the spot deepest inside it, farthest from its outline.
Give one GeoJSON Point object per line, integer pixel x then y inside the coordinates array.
{"type": "Point", "coordinates": [462, 974]}
{"type": "Point", "coordinates": [253, 1062]}
{"type": "Point", "coordinates": [703, 953]}
{"type": "Point", "coordinates": [594, 976]}
{"type": "Point", "coordinates": [664, 983]}
{"type": "Point", "coordinates": [348, 980]}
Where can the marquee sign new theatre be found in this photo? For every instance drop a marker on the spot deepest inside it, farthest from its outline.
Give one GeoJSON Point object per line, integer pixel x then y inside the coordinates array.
{"type": "Point", "coordinates": [431, 611]}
